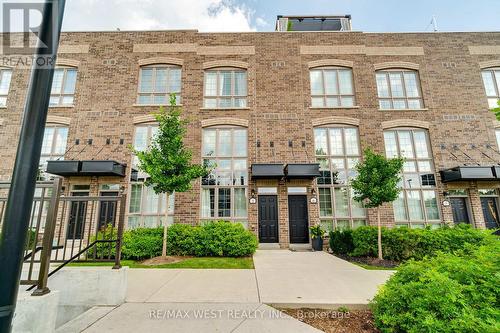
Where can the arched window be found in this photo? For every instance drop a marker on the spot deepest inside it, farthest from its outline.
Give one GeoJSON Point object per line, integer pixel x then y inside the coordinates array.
{"type": "Point", "coordinates": [225, 88]}
{"type": "Point", "coordinates": [399, 89]}
{"type": "Point", "coordinates": [417, 203]}
{"type": "Point", "coordinates": [157, 83]}
{"type": "Point", "coordinates": [5, 77]}
{"type": "Point", "coordinates": [338, 151]}
{"type": "Point", "coordinates": [331, 87]}
{"type": "Point", "coordinates": [491, 80]}
{"type": "Point", "coordinates": [146, 208]}
{"type": "Point", "coordinates": [224, 191]}
{"type": "Point", "coordinates": [63, 86]}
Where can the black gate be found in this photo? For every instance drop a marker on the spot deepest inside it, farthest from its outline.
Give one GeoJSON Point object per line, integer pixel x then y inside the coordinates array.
{"type": "Point", "coordinates": [490, 212]}
{"type": "Point", "coordinates": [268, 219]}
{"type": "Point", "coordinates": [298, 219]}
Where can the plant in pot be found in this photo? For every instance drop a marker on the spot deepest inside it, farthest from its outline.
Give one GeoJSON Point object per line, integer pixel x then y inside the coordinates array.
{"type": "Point", "coordinates": [317, 237]}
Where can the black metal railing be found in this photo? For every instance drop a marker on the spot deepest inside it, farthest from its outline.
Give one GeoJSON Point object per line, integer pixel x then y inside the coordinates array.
{"type": "Point", "coordinates": [65, 229]}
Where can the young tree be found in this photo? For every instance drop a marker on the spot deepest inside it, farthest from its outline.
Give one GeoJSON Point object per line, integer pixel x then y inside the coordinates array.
{"type": "Point", "coordinates": [167, 161]}
{"type": "Point", "coordinates": [376, 184]}
{"type": "Point", "coordinates": [496, 110]}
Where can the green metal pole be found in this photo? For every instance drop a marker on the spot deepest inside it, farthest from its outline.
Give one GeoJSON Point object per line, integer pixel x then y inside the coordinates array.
{"type": "Point", "coordinates": [19, 203]}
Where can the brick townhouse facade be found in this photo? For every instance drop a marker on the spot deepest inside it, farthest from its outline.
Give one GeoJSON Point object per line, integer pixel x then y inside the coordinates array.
{"type": "Point", "coordinates": [285, 116]}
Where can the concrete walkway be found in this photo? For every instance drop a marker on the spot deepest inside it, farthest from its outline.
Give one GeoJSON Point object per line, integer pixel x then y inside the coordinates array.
{"type": "Point", "coordinates": [227, 300]}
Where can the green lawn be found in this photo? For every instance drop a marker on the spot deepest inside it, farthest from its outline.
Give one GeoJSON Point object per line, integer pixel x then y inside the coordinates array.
{"type": "Point", "coordinates": [202, 262]}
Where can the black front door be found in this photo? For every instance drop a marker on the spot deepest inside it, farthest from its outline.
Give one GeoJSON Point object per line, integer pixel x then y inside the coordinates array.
{"type": "Point", "coordinates": [490, 212]}
{"type": "Point", "coordinates": [107, 210]}
{"type": "Point", "coordinates": [298, 219]}
{"type": "Point", "coordinates": [77, 215]}
{"type": "Point", "coordinates": [268, 219]}
{"type": "Point", "coordinates": [459, 208]}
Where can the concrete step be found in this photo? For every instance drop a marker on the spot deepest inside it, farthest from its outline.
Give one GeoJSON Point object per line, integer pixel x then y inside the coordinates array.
{"type": "Point", "coordinates": [269, 246]}
{"type": "Point", "coordinates": [300, 247]}
{"type": "Point", "coordinates": [85, 320]}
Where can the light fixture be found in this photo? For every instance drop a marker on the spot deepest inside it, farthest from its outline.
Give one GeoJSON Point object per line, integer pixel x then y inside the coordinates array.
{"type": "Point", "coordinates": [252, 198]}
{"type": "Point", "coordinates": [314, 200]}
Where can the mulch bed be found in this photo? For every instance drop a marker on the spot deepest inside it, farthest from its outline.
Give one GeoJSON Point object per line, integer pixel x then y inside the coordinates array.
{"type": "Point", "coordinates": [334, 321]}
{"type": "Point", "coordinates": [370, 261]}
{"type": "Point", "coordinates": [164, 260]}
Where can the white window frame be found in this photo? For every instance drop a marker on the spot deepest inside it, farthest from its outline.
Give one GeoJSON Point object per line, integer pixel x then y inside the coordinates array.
{"type": "Point", "coordinates": [332, 222]}
{"type": "Point", "coordinates": [165, 208]}
{"type": "Point", "coordinates": [405, 98]}
{"type": "Point", "coordinates": [60, 96]}
{"type": "Point", "coordinates": [53, 155]}
{"type": "Point", "coordinates": [339, 96]}
{"type": "Point", "coordinates": [421, 189]}
{"type": "Point", "coordinates": [153, 93]}
{"type": "Point", "coordinates": [497, 133]}
{"type": "Point", "coordinates": [495, 72]}
{"type": "Point", "coordinates": [3, 71]}
{"type": "Point", "coordinates": [217, 97]}
{"type": "Point", "coordinates": [232, 186]}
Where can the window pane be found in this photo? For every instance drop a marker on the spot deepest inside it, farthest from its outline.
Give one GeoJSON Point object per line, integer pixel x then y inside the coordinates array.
{"type": "Point", "coordinates": [225, 83]}
{"type": "Point", "coordinates": [5, 76]}
{"type": "Point", "coordinates": [391, 148]}
{"type": "Point", "coordinates": [325, 177]}
{"type": "Point", "coordinates": [411, 84]}
{"type": "Point", "coordinates": [316, 83]}
{"type": "Point", "coordinates": [327, 225]}
{"type": "Point", "coordinates": [405, 144]}
{"type": "Point", "coordinates": [135, 198]}
{"type": "Point", "coordinates": [210, 103]}
{"type": "Point", "coordinates": [150, 201]}
{"type": "Point", "coordinates": [224, 146]}
{"type": "Point", "coordinates": [385, 104]}
{"type": "Point", "coordinates": [398, 104]}
{"type": "Point", "coordinates": [67, 100]}
{"type": "Point", "coordinates": [382, 86]}
{"type": "Point", "coordinates": [336, 145]}
{"type": "Point", "coordinates": [345, 78]}
{"type": "Point", "coordinates": [415, 206]}
{"type": "Point", "coordinates": [3, 101]}
{"type": "Point", "coordinates": [145, 99]}
{"type": "Point", "coordinates": [424, 166]}
{"type": "Point", "coordinates": [332, 102]}
{"type": "Point", "coordinates": [498, 138]}
{"type": "Point", "coordinates": [343, 224]}
{"type": "Point", "coordinates": [409, 166]}
{"type": "Point", "coordinates": [57, 81]}
{"type": "Point", "coordinates": [70, 81]}
{"type": "Point", "coordinates": [48, 139]}
{"type": "Point", "coordinates": [317, 101]}
{"type": "Point", "coordinates": [396, 84]}
{"type": "Point", "coordinates": [357, 207]}
{"type": "Point", "coordinates": [414, 104]}
{"type": "Point", "coordinates": [240, 142]}
{"type": "Point", "coordinates": [224, 202]}
{"type": "Point", "coordinates": [133, 222]}
{"type": "Point", "coordinates": [175, 80]}
{"type": "Point", "coordinates": [240, 102]}
{"type": "Point", "coordinates": [399, 208]}
{"type": "Point", "coordinates": [320, 141]}
{"type": "Point", "coordinates": [358, 223]}
{"type": "Point", "coordinates": [493, 102]}
{"type": "Point", "coordinates": [421, 144]}
{"type": "Point", "coordinates": [330, 82]}
{"type": "Point", "coordinates": [146, 80]}
{"type": "Point", "coordinates": [489, 84]}
{"type": "Point", "coordinates": [351, 141]}
{"type": "Point", "coordinates": [141, 138]}
{"type": "Point", "coordinates": [341, 202]}
{"type": "Point", "coordinates": [240, 202]}
{"type": "Point", "coordinates": [431, 206]}
{"type": "Point", "coordinates": [161, 80]}
{"type": "Point", "coordinates": [347, 101]}
{"type": "Point", "coordinates": [210, 84]}
{"type": "Point", "coordinates": [325, 202]}
{"type": "Point", "coordinates": [209, 142]}
{"type": "Point", "coordinates": [61, 140]}
{"type": "Point", "coordinates": [240, 83]}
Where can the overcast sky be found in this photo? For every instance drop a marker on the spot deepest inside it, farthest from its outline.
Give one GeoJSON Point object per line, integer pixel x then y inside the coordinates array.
{"type": "Point", "coordinates": [260, 15]}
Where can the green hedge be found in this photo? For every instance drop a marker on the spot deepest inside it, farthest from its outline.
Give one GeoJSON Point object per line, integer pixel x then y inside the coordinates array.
{"type": "Point", "coordinates": [400, 244]}
{"type": "Point", "coordinates": [447, 293]}
{"type": "Point", "coordinates": [214, 239]}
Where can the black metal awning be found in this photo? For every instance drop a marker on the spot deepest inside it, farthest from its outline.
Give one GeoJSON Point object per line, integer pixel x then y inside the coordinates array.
{"type": "Point", "coordinates": [467, 173]}
{"type": "Point", "coordinates": [86, 168]}
{"type": "Point", "coordinates": [309, 170]}
{"type": "Point", "coordinates": [268, 171]}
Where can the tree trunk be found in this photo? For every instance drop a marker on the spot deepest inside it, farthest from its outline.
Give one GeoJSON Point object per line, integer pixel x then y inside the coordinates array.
{"type": "Point", "coordinates": [165, 231]}
{"type": "Point", "coordinates": [379, 235]}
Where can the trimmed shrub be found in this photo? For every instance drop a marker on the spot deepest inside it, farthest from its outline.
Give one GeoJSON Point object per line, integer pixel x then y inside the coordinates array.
{"type": "Point", "coordinates": [103, 250]}
{"type": "Point", "coordinates": [400, 244]}
{"type": "Point", "coordinates": [183, 239]}
{"type": "Point", "coordinates": [447, 293]}
{"type": "Point", "coordinates": [142, 243]}
{"type": "Point", "coordinates": [341, 241]}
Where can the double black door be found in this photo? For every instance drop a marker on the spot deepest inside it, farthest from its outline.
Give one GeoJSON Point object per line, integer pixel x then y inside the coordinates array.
{"type": "Point", "coordinates": [107, 210]}
{"type": "Point", "coordinates": [490, 212]}
{"type": "Point", "coordinates": [77, 216]}
{"type": "Point", "coordinates": [298, 219]}
{"type": "Point", "coordinates": [268, 219]}
{"type": "Point", "coordinates": [459, 209]}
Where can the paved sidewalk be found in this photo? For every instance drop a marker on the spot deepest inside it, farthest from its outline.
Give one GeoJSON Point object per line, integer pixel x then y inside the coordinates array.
{"type": "Point", "coordinates": [314, 279]}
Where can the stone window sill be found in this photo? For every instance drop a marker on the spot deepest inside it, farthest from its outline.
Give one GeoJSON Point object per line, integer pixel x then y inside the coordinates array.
{"type": "Point", "coordinates": [225, 109]}
{"type": "Point", "coordinates": [61, 106]}
{"type": "Point", "coordinates": [154, 105]}
{"type": "Point", "coordinates": [424, 109]}
{"type": "Point", "coordinates": [333, 107]}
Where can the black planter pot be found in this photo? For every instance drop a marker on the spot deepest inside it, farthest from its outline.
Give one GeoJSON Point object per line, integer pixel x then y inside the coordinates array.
{"type": "Point", "coordinates": [317, 244]}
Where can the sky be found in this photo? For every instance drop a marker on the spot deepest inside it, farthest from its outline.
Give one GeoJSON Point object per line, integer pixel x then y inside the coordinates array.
{"type": "Point", "coordinates": [260, 15]}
